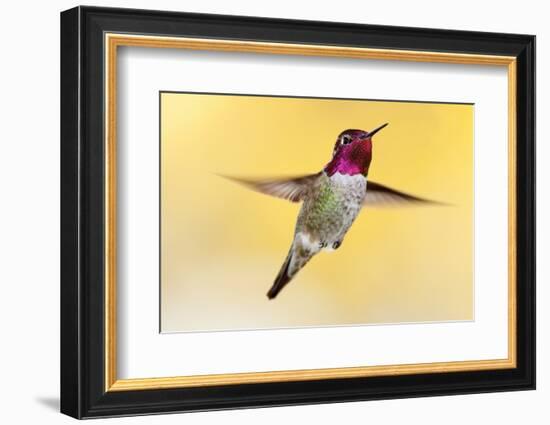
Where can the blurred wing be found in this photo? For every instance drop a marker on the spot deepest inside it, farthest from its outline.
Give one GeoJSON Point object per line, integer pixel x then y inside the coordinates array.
{"type": "Point", "coordinates": [292, 189]}
{"type": "Point", "coordinates": [380, 195]}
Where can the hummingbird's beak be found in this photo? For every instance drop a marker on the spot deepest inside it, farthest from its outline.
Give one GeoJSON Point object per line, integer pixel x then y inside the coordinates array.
{"type": "Point", "coordinates": [376, 130]}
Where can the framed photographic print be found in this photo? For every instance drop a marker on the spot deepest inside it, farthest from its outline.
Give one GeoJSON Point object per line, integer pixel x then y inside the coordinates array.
{"type": "Point", "coordinates": [261, 212]}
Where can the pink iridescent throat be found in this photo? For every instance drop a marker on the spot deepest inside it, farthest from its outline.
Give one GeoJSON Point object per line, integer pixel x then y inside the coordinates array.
{"type": "Point", "coordinates": [351, 159]}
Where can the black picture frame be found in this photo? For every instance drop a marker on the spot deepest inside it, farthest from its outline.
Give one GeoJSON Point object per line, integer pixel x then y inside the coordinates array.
{"type": "Point", "coordinates": [83, 392]}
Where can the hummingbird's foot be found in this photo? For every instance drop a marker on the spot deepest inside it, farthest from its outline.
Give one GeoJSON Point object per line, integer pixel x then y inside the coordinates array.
{"type": "Point", "coordinates": [336, 245]}
{"type": "Point", "coordinates": [323, 244]}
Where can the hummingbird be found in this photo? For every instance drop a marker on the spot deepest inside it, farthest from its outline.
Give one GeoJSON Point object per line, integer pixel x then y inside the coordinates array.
{"type": "Point", "coordinates": [331, 200]}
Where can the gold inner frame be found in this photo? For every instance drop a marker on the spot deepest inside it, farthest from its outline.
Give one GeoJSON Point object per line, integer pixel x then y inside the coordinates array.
{"type": "Point", "coordinates": [113, 41]}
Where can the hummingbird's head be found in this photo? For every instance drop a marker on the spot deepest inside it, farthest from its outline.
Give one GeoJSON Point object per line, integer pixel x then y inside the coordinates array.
{"type": "Point", "coordinates": [352, 152]}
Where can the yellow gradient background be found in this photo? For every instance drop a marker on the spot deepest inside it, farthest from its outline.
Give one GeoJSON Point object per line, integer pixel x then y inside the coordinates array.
{"type": "Point", "coordinates": [222, 244]}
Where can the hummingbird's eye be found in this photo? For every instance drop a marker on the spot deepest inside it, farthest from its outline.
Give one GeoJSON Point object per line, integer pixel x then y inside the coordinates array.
{"type": "Point", "coordinates": [346, 139]}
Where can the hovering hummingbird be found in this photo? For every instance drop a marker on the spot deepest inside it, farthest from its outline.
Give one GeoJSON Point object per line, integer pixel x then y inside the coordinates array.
{"type": "Point", "coordinates": [331, 200]}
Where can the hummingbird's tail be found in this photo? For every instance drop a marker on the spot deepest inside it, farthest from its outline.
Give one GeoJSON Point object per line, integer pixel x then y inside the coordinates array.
{"type": "Point", "coordinates": [297, 257]}
{"type": "Point", "coordinates": [282, 278]}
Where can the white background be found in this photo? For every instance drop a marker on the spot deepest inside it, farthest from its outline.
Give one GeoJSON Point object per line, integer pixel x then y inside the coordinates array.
{"type": "Point", "coordinates": [143, 72]}
{"type": "Point", "coordinates": [29, 229]}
